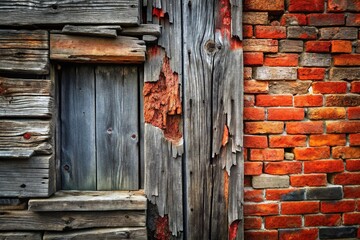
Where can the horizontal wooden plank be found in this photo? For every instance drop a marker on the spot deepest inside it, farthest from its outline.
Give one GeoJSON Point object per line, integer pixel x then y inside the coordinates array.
{"type": "Point", "coordinates": [89, 31]}
{"type": "Point", "coordinates": [58, 221]}
{"type": "Point", "coordinates": [16, 154]}
{"type": "Point", "coordinates": [10, 87]}
{"type": "Point", "coordinates": [105, 233]}
{"type": "Point", "coordinates": [12, 204]}
{"type": "Point", "coordinates": [22, 39]}
{"type": "Point", "coordinates": [26, 106]}
{"type": "Point", "coordinates": [36, 162]}
{"type": "Point", "coordinates": [20, 236]}
{"type": "Point", "coordinates": [47, 12]}
{"type": "Point", "coordinates": [17, 128]}
{"type": "Point", "coordinates": [142, 29]}
{"type": "Point", "coordinates": [96, 50]}
{"type": "Point", "coordinates": [90, 201]}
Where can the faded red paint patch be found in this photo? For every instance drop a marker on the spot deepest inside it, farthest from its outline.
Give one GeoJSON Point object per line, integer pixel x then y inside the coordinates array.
{"type": "Point", "coordinates": [226, 189]}
{"type": "Point", "coordinates": [153, 51]}
{"type": "Point", "coordinates": [162, 105]}
{"type": "Point", "coordinates": [225, 138]}
{"type": "Point", "coordinates": [157, 12]}
{"type": "Point", "coordinates": [162, 231]}
{"type": "Point", "coordinates": [233, 229]}
{"type": "Point", "coordinates": [27, 136]}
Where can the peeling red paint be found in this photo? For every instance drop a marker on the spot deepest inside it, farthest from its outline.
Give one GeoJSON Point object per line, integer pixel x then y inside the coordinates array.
{"type": "Point", "coordinates": [162, 105]}
{"type": "Point", "coordinates": [226, 189]}
{"type": "Point", "coordinates": [233, 229]}
{"type": "Point", "coordinates": [27, 136]}
{"type": "Point", "coordinates": [157, 12]}
{"type": "Point", "coordinates": [225, 138]}
{"type": "Point", "coordinates": [153, 51]}
{"type": "Point", "coordinates": [162, 231]}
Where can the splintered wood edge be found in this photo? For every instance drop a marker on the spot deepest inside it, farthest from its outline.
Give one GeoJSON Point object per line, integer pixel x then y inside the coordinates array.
{"type": "Point", "coordinates": [16, 154]}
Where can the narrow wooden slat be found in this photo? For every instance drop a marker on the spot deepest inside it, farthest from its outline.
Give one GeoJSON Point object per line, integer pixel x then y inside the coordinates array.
{"type": "Point", "coordinates": [78, 151]}
{"type": "Point", "coordinates": [89, 31]}
{"type": "Point", "coordinates": [142, 29]}
{"type": "Point", "coordinates": [106, 233]}
{"type": "Point", "coordinates": [10, 87]}
{"type": "Point", "coordinates": [16, 154]}
{"type": "Point", "coordinates": [46, 12]}
{"type": "Point", "coordinates": [20, 236]}
{"type": "Point", "coordinates": [90, 201]}
{"type": "Point", "coordinates": [12, 204]}
{"type": "Point", "coordinates": [96, 50]}
{"type": "Point", "coordinates": [117, 123]}
{"type": "Point", "coordinates": [58, 221]}
{"type": "Point", "coordinates": [26, 106]}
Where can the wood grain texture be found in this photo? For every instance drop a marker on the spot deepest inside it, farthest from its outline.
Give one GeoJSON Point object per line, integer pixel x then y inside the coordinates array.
{"type": "Point", "coordinates": [59, 221]}
{"type": "Point", "coordinates": [103, 233]}
{"type": "Point", "coordinates": [46, 12]}
{"type": "Point", "coordinates": [142, 29]}
{"type": "Point", "coordinates": [90, 201]}
{"type": "Point", "coordinates": [24, 51]}
{"type": "Point", "coordinates": [20, 236]}
{"type": "Point", "coordinates": [83, 49]}
{"type": "Point", "coordinates": [16, 154]}
{"type": "Point", "coordinates": [89, 31]}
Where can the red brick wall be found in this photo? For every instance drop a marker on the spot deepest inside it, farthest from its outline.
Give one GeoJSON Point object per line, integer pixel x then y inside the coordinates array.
{"type": "Point", "coordinates": [302, 111]}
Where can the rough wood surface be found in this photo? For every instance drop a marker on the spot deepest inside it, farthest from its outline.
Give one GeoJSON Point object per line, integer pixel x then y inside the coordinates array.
{"type": "Point", "coordinates": [46, 12]}
{"type": "Point", "coordinates": [83, 49]}
{"type": "Point", "coordinates": [20, 236]}
{"type": "Point", "coordinates": [104, 233]}
{"type": "Point", "coordinates": [90, 201]}
{"type": "Point", "coordinates": [59, 221]}
{"type": "Point", "coordinates": [24, 51]}
{"type": "Point", "coordinates": [89, 31]}
{"type": "Point", "coordinates": [16, 154]}
{"type": "Point", "coordinates": [12, 204]}
{"type": "Point", "coordinates": [142, 29]}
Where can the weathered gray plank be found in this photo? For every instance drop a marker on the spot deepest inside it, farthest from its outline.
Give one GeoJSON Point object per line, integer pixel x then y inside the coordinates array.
{"type": "Point", "coordinates": [46, 12]}
{"type": "Point", "coordinates": [20, 235]}
{"type": "Point", "coordinates": [26, 106]}
{"type": "Point", "coordinates": [78, 150]}
{"type": "Point", "coordinates": [89, 31]}
{"type": "Point", "coordinates": [59, 221]}
{"type": "Point", "coordinates": [12, 204]}
{"type": "Point", "coordinates": [142, 29]}
{"type": "Point", "coordinates": [117, 128]}
{"type": "Point", "coordinates": [15, 39]}
{"type": "Point", "coordinates": [16, 154]}
{"type": "Point", "coordinates": [96, 50]}
{"type": "Point", "coordinates": [20, 87]}
{"type": "Point", "coordinates": [106, 233]}
{"type": "Point", "coordinates": [90, 201]}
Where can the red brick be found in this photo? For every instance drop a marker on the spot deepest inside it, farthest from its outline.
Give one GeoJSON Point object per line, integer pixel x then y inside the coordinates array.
{"type": "Point", "coordinates": [253, 58]}
{"type": "Point", "coordinates": [353, 20]}
{"type": "Point", "coordinates": [354, 139]}
{"type": "Point", "coordinates": [274, 100]}
{"type": "Point", "coordinates": [341, 46]}
{"type": "Point", "coordinates": [304, 127]}
{"type": "Point", "coordinates": [261, 235]}
{"type": "Point", "coordinates": [287, 141]}
{"type": "Point", "coordinates": [260, 5]}
{"type": "Point", "coordinates": [346, 178]}
{"type": "Point", "coordinates": [326, 113]}
{"type": "Point", "coordinates": [345, 152]}
{"type": "Point", "coordinates": [261, 209]}
{"type": "Point", "coordinates": [351, 218]}
{"type": "Point", "coordinates": [255, 141]}
{"type": "Point", "coordinates": [253, 195]}
{"type": "Point", "coordinates": [306, 6]}
{"type": "Point", "coordinates": [311, 73]}
{"type": "Point", "coordinates": [347, 60]}
{"type": "Point", "coordinates": [247, 181]}
{"type": "Point", "coordinates": [253, 168]}
{"type": "Point", "coordinates": [312, 153]}
{"type": "Point", "coordinates": [270, 32]}
{"type": "Point", "coordinates": [329, 19]}
{"type": "Point", "coordinates": [337, 206]}
{"type": "Point", "coordinates": [308, 100]}
{"type": "Point", "coordinates": [293, 19]}
{"type": "Point", "coordinates": [248, 31]}
{"type": "Point", "coordinates": [342, 100]}
{"type": "Point", "coordinates": [254, 113]}
{"type": "Point", "coordinates": [337, 5]}
{"type": "Point", "coordinates": [272, 222]}
{"type": "Point", "coordinates": [267, 154]}
{"type": "Point", "coordinates": [278, 194]}
{"type": "Point", "coordinates": [299, 207]}
{"type": "Point", "coordinates": [329, 87]}
{"type": "Point", "coordinates": [264, 127]}
{"type": "Point", "coordinates": [253, 86]}
{"type": "Point", "coordinates": [249, 100]}
{"type": "Point", "coordinates": [343, 127]}
{"type": "Point", "coordinates": [322, 220]}
{"type": "Point", "coordinates": [324, 166]}
{"type": "Point", "coordinates": [355, 87]}
{"type": "Point", "coordinates": [317, 46]}
{"type": "Point", "coordinates": [247, 73]}
{"type": "Point", "coordinates": [353, 165]}
{"type": "Point", "coordinates": [282, 114]}
{"type": "Point", "coordinates": [354, 113]}
{"type": "Point", "coordinates": [299, 234]}
{"type": "Point", "coordinates": [310, 180]}
{"type": "Point", "coordinates": [327, 140]}
{"type": "Point", "coordinates": [352, 192]}
{"type": "Point", "coordinates": [282, 168]}
{"type": "Point", "coordinates": [282, 60]}
{"type": "Point", "coordinates": [353, 6]}
{"type": "Point", "coordinates": [252, 223]}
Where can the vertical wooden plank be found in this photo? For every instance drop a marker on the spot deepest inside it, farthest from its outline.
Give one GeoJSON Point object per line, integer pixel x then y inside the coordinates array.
{"type": "Point", "coordinates": [117, 128]}
{"type": "Point", "coordinates": [142, 128]}
{"type": "Point", "coordinates": [78, 128]}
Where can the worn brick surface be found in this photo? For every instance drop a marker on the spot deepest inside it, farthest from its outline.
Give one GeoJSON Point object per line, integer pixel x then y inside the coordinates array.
{"type": "Point", "coordinates": [302, 32]}
{"type": "Point", "coordinates": [270, 181]}
{"type": "Point", "coordinates": [291, 46]}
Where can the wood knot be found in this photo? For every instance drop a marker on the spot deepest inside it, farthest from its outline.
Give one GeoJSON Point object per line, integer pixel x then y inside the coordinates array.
{"type": "Point", "coordinates": [210, 46]}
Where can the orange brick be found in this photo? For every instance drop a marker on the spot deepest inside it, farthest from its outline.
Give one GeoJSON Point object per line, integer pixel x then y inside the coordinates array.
{"type": "Point", "coordinates": [347, 60]}
{"type": "Point", "coordinates": [274, 100]}
{"type": "Point", "coordinates": [337, 5]}
{"type": "Point", "coordinates": [354, 113]}
{"type": "Point", "coordinates": [253, 86]}
{"type": "Point", "coordinates": [248, 31]}
{"type": "Point", "coordinates": [345, 152]}
{"type": "Point", "coordinates": [342, 127]}
{"type": "Point", "coordinates": [256, 235]}
{"type": "Point", "coordinates": [306, 6]}
{"type": "Point", "coordinates": [353, 165]}
{"type": "Point", "coordinates": [311, 73]}
{"type": "Point", "coordinates": [293, 19]}
{"type": "Point", "coordinates": [247, 73]}
{"type": "Point", "coordinates": [355, 87]}
{"type": "Point", "coordinates": [264, 127]}
{"type": "Point", "coordinates": [261, 209]}
{"type": "Point", "coordinates": [347, 178]}
{"type": "Point", "coordinates": [272, 222]}
{"type": "Point", "coordinates": [270, 32]}
{"type": "Point", "coordinates": [342, 100]}
{"type": "Point", "coordinates": [329, 87]}
{"type": "Point", "coordinates": [282, 60]}
{"type": "Point", "coordinates": [299, 207]}
{"type": "Point", "coordinates": [260, 5]}
{"type": "Point", "coordinates": [282, 168]}
{"type": "Point", "coordinates": [312, 153]}
{"type": "Point", "coordinates": [252, 222]}
{"type": "Point", "coordinates": [324, 166]}
{"type": "Point", "coordinates": [308, 180]}
{"type": "Point", "coordinates": [341, 46]}
{"type": "Point", "coordinates": [255, 141]}
{"type": "Point", "coordinates": [267, 154]}
{"type": "Point", "coordinates": [299, 234]}
{"type": "Point", "coordinates": [253, 58]}
{"type": "Point", "coordinates": [337, 206]}
{"type": "Point", "coordinates": [327, 140]}
{"type": "Point", "coordinates": [283, 114]}
{"type": "Point", "coordinates": [354, 139]}
{"type": "Point", "coordinates": [279, 194]}
{"type": "Point", "coordinates": [308, 100]}
{"type": "Point", "coordinates": [351, 218]}
{"type": "Point", "coordinates": [304, 127]}
{"type": "Point", "coordinates": [254, 113]}
{"type": "Point", "coordinates": [253, 195]}
{"type": "Point", "coordinates": [253, 168]}
{"type": "Point", "coordinates": [322, 220]}
{"type": "Point", "coordinates": [326, 113]}
{"type": "Point", "coordinates": [249, 100]}
{"type": "Point", "coordinates": [288, 141]}
{"type": "Point", "coordinates": [318, 46]}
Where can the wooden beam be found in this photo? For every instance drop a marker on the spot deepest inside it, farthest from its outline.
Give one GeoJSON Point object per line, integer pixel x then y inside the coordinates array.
{"type": "Point", "coordinates": [16, 154]}
{"type": "Point", "coordinates": [47, 12]}
{"type": "Point", "coordinates": [21, 235]}
{"type": "Point", "coordinates": [89, 31]}
{"type": "Point", "coordinates": [82, 49]}
{"type": "Point", "coordinates": [142, 29]}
